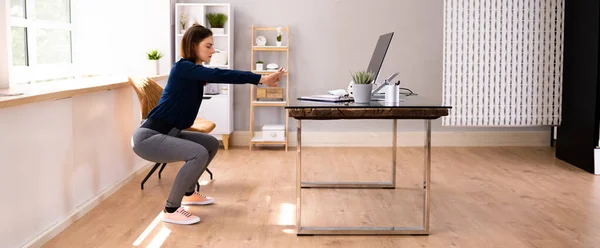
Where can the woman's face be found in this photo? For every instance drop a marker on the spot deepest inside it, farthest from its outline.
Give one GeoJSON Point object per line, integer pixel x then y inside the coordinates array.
{"type": "Point", "coordinates": [205, 49]}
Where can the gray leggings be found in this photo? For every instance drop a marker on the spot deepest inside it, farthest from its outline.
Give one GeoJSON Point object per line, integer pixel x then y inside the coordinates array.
{"type": "Point", "coordinates": [196, 149]}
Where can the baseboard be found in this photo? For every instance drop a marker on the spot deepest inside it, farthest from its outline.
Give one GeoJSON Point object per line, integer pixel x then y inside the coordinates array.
{"type": "Point", "coordinates": [57, 228]}
{"type": "Point", "coordinates": [408, 139]}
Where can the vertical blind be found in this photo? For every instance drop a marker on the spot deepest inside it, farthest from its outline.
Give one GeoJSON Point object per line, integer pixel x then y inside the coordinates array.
{"type": "Point", "coordinates": [503, 62]}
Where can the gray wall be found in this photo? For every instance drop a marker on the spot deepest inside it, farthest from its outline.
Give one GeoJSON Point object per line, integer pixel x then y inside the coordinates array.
{"type": "Point", "coordinates": [329, 38]}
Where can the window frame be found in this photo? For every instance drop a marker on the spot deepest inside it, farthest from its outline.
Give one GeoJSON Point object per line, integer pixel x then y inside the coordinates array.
{"type": "Point", "coordinates": [34, 72]}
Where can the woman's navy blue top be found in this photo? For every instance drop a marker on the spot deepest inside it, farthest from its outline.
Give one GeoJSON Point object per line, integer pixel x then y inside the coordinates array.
{"type": "Point", "coordinates": [180, 101]}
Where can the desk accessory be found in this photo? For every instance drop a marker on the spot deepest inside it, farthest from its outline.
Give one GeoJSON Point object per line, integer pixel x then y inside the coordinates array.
{"type": "Point", "coordinates": [392, 93]}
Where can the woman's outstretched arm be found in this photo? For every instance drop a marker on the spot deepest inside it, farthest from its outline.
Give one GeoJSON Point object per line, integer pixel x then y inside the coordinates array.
{"type": "Point", "coordinates": [191, 71]}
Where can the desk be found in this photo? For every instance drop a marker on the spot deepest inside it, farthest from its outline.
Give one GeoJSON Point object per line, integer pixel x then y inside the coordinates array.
{"type": "Point", "coordinates": [413, 107]}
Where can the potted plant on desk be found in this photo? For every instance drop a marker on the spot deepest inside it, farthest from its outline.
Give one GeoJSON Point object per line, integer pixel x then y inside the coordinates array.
{"type": "Point", "coordinates": [363, 86]}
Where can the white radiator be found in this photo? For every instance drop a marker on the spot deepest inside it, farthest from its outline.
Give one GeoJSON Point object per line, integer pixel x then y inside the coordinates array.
{"type": "Point", "coordinates": [503, 62]}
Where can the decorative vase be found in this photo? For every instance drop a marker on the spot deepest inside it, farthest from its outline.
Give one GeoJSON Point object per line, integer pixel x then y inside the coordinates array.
{"type": "Point", "coordinates": [259, 66]}
{"type": "Point", "coordinates": [218, 30]}
{"type": "Point", "coordinates": [362, 93]}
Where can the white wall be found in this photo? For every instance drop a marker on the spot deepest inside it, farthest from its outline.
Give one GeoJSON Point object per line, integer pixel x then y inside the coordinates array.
{"type": "Point", "coordinates": [58, 155]}
{"type": "Point", "coordinates": [64, 154]}
{"type": "Point", "coordinates": [4, 36]}
{"type": "Point", "coordinates": [113, 36]}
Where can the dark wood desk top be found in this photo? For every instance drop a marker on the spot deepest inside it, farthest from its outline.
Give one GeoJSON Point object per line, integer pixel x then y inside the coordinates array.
{"type": "Point", "coordinates": [413, 107]}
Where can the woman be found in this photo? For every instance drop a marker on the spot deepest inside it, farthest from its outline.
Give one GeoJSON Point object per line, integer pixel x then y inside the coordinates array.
{"type": "Point", "coordinates": [160, 139]}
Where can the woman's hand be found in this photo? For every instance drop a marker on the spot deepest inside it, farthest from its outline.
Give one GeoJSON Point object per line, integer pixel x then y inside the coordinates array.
{"type": "Point", "coordinates": [272, 79]}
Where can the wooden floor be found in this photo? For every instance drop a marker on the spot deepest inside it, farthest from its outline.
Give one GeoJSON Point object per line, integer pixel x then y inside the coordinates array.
{"type": "Point", "coordinates": [480, 197]}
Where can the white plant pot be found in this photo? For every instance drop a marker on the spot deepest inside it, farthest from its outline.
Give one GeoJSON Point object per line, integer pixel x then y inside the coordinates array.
{"type": "Point", "coordinates": [153, 67]}
{"type": "Point", "coordinates": [218, 30]}
{"type": "Point", "coordinates": [362, 93]}
{"type": "Point", "coordinates": [259, 67]}
{"type": "Point", "coordinates": [183, 31]}
{"type": "Point", "coordinates": [279, 43]}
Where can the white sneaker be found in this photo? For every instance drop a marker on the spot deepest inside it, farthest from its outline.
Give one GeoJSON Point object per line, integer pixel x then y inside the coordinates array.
{"type": "Point", "coordinates": [180, 216]}
{"type": "Point", "coordinates": [197, 199]}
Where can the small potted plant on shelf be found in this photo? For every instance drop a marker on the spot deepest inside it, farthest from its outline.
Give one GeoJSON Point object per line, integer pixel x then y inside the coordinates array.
{"type": "Point", "coordinates": [182, 22]}
{"type": "Point", "coordinates": [363, 86]}
{"type": "Point", "coordinates": [259, 65]}
{"type": "Point", "coordinates": [279, 36]}
{"type": "Point", "coordinates": [217, 22]}
{"type": "Point", "coordinates": [153, 57]}
{"type": "Point", "coordinates": [279, 40]}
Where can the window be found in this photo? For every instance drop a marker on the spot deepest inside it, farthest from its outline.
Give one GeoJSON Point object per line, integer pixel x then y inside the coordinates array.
{"type": "Point", "coordinates": [41, 32]}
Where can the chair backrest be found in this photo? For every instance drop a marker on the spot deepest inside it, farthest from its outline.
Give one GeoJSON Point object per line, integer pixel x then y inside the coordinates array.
{"type": "Point", "coordinates": [148, 93]}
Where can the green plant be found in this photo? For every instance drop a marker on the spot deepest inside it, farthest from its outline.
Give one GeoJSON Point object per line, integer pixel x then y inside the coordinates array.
{"type": "Point", "coordinates": [154, 54]}
{"type": "Point", "coordinates": [259, 62]}
{"type": "Point", "coordinates": [279, 37]}
{"type": "Point", "coordinates": [216, 20]}
{"type": "Point", "coordinates": [362, 77]}
{"type": "Point", "coordinates": [182, 21]}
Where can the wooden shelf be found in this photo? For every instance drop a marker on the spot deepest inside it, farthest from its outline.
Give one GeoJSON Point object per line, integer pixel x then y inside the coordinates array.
{"type": "Point", "coordinates": [269, 103]}
{"type": "Point", "coordinates": [254, 103]}
{"type": "Point", "coordinates": [260, 140]}
{"type": "Point", "coordinates": [270, 48]}
{"type": "Point", "coordinates": [265, 72]}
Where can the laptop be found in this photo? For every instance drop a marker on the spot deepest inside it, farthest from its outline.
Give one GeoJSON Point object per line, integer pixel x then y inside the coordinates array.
{"type": "Point", "coordinates": [383, 44]}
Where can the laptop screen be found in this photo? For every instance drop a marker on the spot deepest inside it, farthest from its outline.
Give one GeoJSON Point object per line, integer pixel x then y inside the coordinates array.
{"type": "Point", "coordinates": [379, 54]}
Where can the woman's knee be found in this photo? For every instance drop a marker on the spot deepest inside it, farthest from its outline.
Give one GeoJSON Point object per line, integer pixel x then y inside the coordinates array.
{"type": "Point", "coordinates": [213, 144]}
{"type": "Point", "coordinates": [200, 155]}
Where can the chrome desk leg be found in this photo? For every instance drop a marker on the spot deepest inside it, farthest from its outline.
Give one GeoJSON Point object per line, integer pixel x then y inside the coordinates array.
{"type": "Point", "coordinates": [298, 177]}
{"type": "Point", "coordinates": [427, 175]}
{"type": "Point", "coordinates": [394, 152]}
{"type": "Point", "coordinates": [378, 185]}
{"type": "Point", "coordinates": [371, 230]}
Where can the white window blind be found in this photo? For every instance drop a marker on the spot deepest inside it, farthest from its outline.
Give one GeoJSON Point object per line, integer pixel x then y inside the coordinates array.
{"type": "Point", "coordinates": [503, 62]}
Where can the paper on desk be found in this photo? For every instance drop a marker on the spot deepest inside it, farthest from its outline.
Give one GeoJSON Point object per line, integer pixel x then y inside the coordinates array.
{"type": "Point", "coordinates": [326, 96]}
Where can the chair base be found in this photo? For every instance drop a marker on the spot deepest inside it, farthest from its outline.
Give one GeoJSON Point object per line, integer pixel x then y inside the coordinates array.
{"type": "Point", "coordinates": [160, 172]}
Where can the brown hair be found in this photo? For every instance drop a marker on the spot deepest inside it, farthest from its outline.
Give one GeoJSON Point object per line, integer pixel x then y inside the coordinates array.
{"type": "Point", "coordinates": [194, 35]}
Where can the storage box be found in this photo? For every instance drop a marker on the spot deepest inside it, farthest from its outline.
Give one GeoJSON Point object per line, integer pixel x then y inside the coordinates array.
{"type": "Point", "coordinates": [273, 132]}
{"type": "Point", "coordinates": [269, 93]}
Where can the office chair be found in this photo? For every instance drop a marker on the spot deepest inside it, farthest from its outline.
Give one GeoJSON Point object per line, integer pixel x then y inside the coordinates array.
{"type": "Point", "coordinates": [148, 93]}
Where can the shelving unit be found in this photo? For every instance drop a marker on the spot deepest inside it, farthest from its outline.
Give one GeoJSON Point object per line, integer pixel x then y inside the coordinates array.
{"type": "Point", "coordinates": [254, 102]}
{"type": "Point", "coordinates": [219, 108]}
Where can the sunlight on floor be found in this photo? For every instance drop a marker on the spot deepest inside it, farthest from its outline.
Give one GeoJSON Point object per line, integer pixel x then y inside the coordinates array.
{"type": "Point", "coordinates": [162, 235]}
{"type": "Point", "coordinates": [287, 214]}
{"type": "Point", "coordinates": [160, 238]}
{"type": "Point", "coordinates": [149, 229]}
{"type": "Point", "coordinates": [204, 182]}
